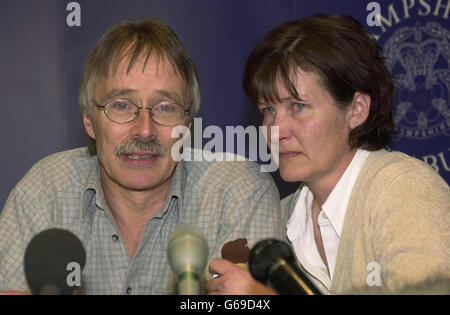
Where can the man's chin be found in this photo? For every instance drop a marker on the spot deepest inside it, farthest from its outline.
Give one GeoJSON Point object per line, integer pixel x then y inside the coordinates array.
{"type": "Point", "coordinates": [139, 178]}
{"type": "Point", "coordinates": [152, 180]}
{"type": "Point", "coordinates": [142, 184]}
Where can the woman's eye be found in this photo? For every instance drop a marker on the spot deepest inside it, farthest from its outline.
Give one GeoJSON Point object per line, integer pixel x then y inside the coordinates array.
{"type": "Point", "coordinates": [268, 110]}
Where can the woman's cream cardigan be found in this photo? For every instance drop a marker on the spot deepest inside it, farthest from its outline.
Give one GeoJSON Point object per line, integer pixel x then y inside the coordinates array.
{"type": "Point", "coordinates": [398, 223]}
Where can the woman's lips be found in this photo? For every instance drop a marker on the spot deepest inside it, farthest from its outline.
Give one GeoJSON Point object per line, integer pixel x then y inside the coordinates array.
{"type": "Point", "coordinates": [288, 154]}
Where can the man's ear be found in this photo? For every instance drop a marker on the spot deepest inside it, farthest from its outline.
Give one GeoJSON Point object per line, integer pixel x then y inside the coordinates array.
{"type": "Point", "coordinates": [87, 121]}
{"type": "Point", "coordinates": [360, 109]}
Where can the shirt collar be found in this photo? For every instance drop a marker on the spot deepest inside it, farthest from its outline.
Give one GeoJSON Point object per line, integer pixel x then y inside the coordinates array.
{"type": "Point", "coordinates": [93, 190]}
{"type": "Point", "coordinates": [336, 204]}
{"type": "Point", "coordinates": [299, 216]}
{"type": "Point", "coordinates": [175, 190]}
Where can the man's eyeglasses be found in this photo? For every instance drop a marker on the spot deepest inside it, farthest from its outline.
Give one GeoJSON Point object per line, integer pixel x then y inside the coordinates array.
{"type": "Point", "coordinates": [124, 111]}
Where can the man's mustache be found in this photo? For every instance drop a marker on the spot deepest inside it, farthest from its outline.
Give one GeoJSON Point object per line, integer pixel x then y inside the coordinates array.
{"type": "Point", "coordinates": [135, 145]}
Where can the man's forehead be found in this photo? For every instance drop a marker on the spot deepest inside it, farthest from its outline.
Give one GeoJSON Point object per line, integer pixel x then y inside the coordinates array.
{"type": "Point", "coordinates": [117, 93]}
{"type": "Point", "coordinates": [118, 81]}
{"type": "Point", "coordinates": [144, 62]}
{"type": "Point", "coordinates": [113, 87]}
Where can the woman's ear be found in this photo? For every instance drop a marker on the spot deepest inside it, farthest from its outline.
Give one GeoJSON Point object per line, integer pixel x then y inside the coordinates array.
{"type": "Point", "coordinates": [87, 121]}
{"type": "Point", "coordinates": [360, 109]}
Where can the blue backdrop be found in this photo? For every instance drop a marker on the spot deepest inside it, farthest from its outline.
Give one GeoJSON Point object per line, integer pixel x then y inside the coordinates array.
{"type": "Point", "coordinates": [43, 45]}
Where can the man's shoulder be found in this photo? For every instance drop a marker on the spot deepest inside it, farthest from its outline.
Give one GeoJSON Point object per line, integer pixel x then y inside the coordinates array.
{"type": "Point", "coordinates": [73, 159]}
{"type": "Point", "coordinates": [205, 167]}
{"type": "Point", "coordinates": [61, 168]}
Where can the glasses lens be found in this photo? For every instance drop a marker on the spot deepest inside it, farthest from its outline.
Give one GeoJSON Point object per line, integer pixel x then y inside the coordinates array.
{"type": "Point", "coordinates": [121, 111]}
{"type": "Point", "coordinates": [167, 113]}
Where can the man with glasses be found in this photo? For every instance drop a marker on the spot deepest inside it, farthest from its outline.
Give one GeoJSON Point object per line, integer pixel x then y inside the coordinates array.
{"type": "Point", "coordinates": [124, 195]}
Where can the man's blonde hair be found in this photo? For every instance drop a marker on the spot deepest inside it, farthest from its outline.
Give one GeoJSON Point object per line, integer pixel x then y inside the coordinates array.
{"type": "Point", "coordinates": [145, 39]}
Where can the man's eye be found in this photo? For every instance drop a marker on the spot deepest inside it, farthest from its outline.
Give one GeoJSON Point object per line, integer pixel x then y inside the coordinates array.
{"type": "Point", "coordinates": [121, 105]}
{"type": "Point", "coordinates": [165, 107]}
{"type": "Point", "coordinates": [299, 106]}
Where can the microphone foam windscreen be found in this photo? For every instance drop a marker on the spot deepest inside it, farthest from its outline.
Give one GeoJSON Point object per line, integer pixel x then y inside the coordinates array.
{"type": "Point", "coordinates": [187, 246]}
{"type": "Point", "coordinates": [265, 254]}
{"type": "Point", "coordinates": [47, 258]}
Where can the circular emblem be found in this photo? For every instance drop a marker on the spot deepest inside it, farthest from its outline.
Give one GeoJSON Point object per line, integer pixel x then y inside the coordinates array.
{"type": "Point", "coordinates": [419, 57]}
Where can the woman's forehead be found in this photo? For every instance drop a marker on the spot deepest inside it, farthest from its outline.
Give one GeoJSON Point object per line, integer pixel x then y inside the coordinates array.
{"type": "Point", "coordinates": [299, 85]}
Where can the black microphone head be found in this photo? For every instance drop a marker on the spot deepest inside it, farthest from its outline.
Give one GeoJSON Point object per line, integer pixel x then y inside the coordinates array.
{"type": "Point", "coordinates": [49, 259]}
{"type": "Point", "coordinates": [265, 254]}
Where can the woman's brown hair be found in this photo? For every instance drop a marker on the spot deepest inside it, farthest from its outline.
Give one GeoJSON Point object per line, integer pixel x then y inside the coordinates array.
{"type": "Point", "coordinates": [343, 55]}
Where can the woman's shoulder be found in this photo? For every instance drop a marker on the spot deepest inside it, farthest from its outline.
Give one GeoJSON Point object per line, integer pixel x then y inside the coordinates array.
{"type": "Point", "coordinates": [385, 165]}
{"type": "Point", "coordinates": [396, 175]}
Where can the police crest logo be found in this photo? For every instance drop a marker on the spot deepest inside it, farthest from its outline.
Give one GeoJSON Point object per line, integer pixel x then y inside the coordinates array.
{"type": "Point", "coordinates": [415, 38]}
{"type": "Point", "coordinates": [422, 84]}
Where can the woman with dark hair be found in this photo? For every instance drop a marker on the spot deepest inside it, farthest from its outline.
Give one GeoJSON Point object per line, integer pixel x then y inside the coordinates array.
{"type": "Point", "coordinates": [365, 220]}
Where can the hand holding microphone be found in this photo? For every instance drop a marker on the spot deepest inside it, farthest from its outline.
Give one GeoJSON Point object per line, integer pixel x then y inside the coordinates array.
{"type": "Point", "coordinates": [233, 280]}
{"type": "Point", "coordinates": [231, 275]}
{"type": "Point", "coordinates": [273, 263]}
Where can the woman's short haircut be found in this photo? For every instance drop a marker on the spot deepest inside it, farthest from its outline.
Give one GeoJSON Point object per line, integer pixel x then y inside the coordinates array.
{"type": "Point", "coordinates": [343, 55]}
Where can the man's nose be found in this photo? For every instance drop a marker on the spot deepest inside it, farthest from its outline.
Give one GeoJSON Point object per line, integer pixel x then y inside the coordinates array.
{"type": "Point", "coordinates": [143, 125]}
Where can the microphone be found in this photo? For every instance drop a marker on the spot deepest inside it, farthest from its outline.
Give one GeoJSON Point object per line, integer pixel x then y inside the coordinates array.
{"type": "Point", "coordinates": [273, 263]}
{"type": "Point", "coordinates": [187, 253]}
{"type": "Point", "coordinates": [53, 262]}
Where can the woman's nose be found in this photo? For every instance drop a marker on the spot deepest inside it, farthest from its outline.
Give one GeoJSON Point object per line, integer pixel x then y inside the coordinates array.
{"type": "Point", "coordinates": [282, 122]}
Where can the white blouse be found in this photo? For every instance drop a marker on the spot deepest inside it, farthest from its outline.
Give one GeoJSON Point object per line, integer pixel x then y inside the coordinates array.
{"type": "Point", "coordinates": [331, 219]}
